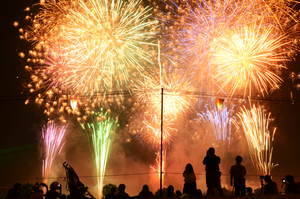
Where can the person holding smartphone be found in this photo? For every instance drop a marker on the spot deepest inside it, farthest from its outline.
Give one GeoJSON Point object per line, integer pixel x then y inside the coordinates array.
{"type": "Point", "coordinates": [52, 193]}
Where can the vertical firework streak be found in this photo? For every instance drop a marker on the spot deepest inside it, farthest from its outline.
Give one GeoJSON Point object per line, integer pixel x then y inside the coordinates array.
{"type": "Point", "coordinates": [176, 101]}
{"type": "Point", "coordinates": [255, 124]}
{"type": "Point", "coordinates": [220, 119]}
{"type": "Point", "coordinates": [151, 135]}
{"type": "Point", "coordinates": [52, 140]}
{"type": "Point", "coordinates": [100, 133]}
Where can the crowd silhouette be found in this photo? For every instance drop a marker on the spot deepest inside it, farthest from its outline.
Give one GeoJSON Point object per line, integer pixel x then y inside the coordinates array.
{"type": "Point", "coordinates": [211, 161]}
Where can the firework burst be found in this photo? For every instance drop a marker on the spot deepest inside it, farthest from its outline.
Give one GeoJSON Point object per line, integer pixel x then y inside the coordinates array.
{"type": "Point", "coordinates": [248, 58]}
{"type": "Point", "coordinates": [195, 32]}
{"type": "Point", "coordinates": [85, 47]}
{"type": "Point", "coordinates": [177, 94]}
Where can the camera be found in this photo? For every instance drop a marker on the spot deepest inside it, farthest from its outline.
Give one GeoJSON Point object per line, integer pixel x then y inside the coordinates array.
{"type": "Point", "coordinates": [283, 180]}
{"type": "Point", "coordinates": [262, 177]}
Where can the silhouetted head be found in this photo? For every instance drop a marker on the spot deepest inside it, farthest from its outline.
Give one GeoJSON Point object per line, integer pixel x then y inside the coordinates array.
{"type": "Point", "coordinates": [189, 168]}
{"type": "Point", "coordinates": [113, 190]}
{"type": "Point", "coordinates": [36, 188]}
{"type": "Point", "coordinates": [54, 185]}
{"type": "Point", "coordinates": [238, 159]}
{"type": "Point", "coordinates": [17, 186]}
{"type": "Point", "coordinates": [145, 187]}
{"type": "Point", "coordinates": [289, 178]}
{"type": "Point", "coordinates": [122, 187]}
{"type": "Point", "coordinates": [267, 178]}
{"type": "Point", "coordinates": [63, 196]}
{"type": "Point", "coordinates": [250, 191]}
{"type": "Point", "coordinates": [211, 151]}
{"type": "Point", "coordinates": [170, 189]}
{"type": "Point", "coordinates": [178, 193]}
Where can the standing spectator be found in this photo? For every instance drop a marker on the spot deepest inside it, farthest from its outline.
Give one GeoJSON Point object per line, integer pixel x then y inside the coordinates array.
{"type": "Point", "coordinates": [213, 173]}
{"type": "Point", "coordinates": [271, 187]}
{"type": "Point", "coordinates": [15, 192]}
{"type": "Point", "coordinates": [178, 193]}
{"type": "Point", "coordinates": [145, 193]}
{"type": "Point", "coordinates": [189, 176]}
{"type": "Point", "coordinates": [52, 193]}
{"type": "Point", "coordinates": [111, 195]}
{"type": "Point", "coordinates": [170, 192]}
{"type": "Point", "coordinates": [36, 194]}
{"type": "Point", "coordinates": [237, 173]}
{"type": "Point", "coordinates": [122, 194]}
{"type": "Point", "coordinates": [291, 186]}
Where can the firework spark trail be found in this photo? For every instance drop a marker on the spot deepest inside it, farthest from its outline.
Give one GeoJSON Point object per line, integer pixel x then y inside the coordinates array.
{"type": "Point", "coordinates": [195, 29]}
{"type": "Point", "coordinates": [52, 141]}
{"type": "Point", "coordinates": [220, 119]}
{"type": "Point", "coordinates": [100, 134]}
{"type": "Point", "coordinates": [255, 123]}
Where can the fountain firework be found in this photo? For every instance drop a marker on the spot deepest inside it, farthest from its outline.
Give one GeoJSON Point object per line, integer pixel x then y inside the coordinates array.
{"type": "Point", "coordinates": [220, 119]}
{"type": "Point", "coordinates": [100, 131]}
{"type": "Point", "coordinates": [52, 138]}
{"type": "Point", "coordinates": [255, 123]}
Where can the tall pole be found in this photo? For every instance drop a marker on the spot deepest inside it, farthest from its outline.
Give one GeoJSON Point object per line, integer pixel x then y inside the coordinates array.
{"type": "Point", "coordinates": [161, 139]}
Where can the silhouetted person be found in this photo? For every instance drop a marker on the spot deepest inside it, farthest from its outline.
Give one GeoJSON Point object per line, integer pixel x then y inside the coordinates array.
{"type": "Point", "coordinates": [52, 193]}
{"type": "Point", "coordinates": [36, 194]}
{"type": "Point", "coordinates": [249, 191]}
{"type": "Point", "coordinates": [15, 192]}
{"type": "Point", "coordinates": [198, 193]}
{"type": "Point", "coordinates": [213, 173]}
{"type": "Point", "coordinates": [112, 194]}
{"type": "Point", "coordinates": [271, 187]}
{"type": "Point", "coordinates": [178, 193]}
{"type": "Point", "coordinates": [189, 176]}
{"type": "Point", "coordinates": [170, 192]}
{"type": "Point", "coordinates": [146, 193]}
{"type": "Point", "coordinates": [237, 173]}
{"type": "Point", "coordinates": [122, 194]}
{"type": "Point", "coordinates": [291, 186]}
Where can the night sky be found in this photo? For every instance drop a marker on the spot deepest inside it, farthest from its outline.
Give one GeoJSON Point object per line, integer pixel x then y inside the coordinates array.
{"type": "Point", "coordinates": [21, 123]}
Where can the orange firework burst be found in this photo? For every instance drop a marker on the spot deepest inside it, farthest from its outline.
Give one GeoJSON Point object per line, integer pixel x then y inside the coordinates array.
{"type": "Point", "coordinates": [196, 29]}
{"type": "Point", "coordinates": [177, 94]}
{"type": "Point", "coordinates": [83, 47]}
{"type": "Point", "coordinates": [249, 56]}
{"type": "Point", "coordinates": [151, 131]}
